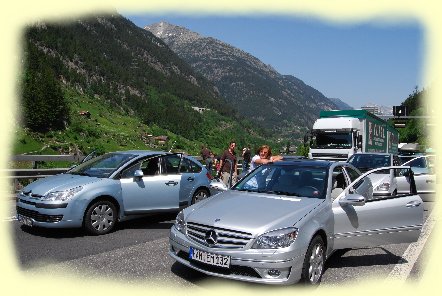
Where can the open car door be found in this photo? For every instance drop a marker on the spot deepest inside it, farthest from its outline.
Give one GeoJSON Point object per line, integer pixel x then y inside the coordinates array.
{"type": "Point", "coordinates": [364, 221]}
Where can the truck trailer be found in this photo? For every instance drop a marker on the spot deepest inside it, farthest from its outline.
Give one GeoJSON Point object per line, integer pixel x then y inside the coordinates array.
{"type": "Point", "coordinates": [338, 134]}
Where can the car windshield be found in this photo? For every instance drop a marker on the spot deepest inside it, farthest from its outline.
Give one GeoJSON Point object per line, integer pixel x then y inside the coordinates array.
{"type": "Point", "coordinates": [289, 180]}
{"type": "Point", "coordinates": [366, 162]}
{"type": "Point", "coordinates": [332, 140]}
{"type": "Point", "coordinates": [102, 166]}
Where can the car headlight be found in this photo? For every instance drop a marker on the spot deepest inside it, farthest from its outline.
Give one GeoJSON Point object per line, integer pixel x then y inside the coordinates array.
{"type": "Point", "coordinates": [62, 195]}
{"type": "Point", "coordinates": [276, 239]}
{"type": "Point", "coordinates": [383, 187]}
{"type": "Point", "coordinates": [180, 224]}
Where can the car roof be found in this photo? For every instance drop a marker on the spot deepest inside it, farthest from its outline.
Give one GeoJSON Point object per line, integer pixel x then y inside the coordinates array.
{"type": "Point", "coordinates": [373, 153]}
{"type": "Point", "coordinates": [416, 157]}
{"type": "Point", "coordinates": [141, 152]}
{"type": "Point", "coordinates": [410, 156]}
{"type": "Point", "coordinates": [304, 162]}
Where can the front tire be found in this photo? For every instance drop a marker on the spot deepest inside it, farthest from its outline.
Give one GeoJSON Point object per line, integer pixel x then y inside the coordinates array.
{"type": "Point", "coordinates": [313, 262]}
{"type": "Point", "coordinates": [100, 217]}
{"type": "Point", "coordinates": [199, 195]}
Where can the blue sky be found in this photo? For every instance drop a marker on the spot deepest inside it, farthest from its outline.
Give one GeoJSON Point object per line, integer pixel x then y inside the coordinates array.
{"type": "Point", "coordinates": [359, 63]}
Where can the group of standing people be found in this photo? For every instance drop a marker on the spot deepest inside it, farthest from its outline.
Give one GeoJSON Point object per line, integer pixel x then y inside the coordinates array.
{"type": "Point", "coordinates": [228, 164]}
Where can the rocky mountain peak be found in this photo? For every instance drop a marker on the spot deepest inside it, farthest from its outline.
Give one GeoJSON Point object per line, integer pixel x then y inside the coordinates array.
{"type": "Point", "coordinates": [255, 89]}
{"type": "Point", "coordinates": [179, 38]}
{"type": "Point", "coordinates": [172, 33]}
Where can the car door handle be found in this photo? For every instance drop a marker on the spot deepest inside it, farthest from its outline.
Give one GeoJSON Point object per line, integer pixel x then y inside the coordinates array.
{"type": "Point", "coordinates": [413, 204]}
{"type": "Point", "coordinates": [191, 179]}
{"type": "Point", "coordinates": [429, 181]}
{"type": "Point", "coordinates": [174, 183]}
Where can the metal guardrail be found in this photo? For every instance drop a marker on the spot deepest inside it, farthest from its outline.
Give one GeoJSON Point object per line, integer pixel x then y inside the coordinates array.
{"type": "Point", "coordinates": [35, 172]}
{"type": "Point", "coordinates": [32, 173]}
{"type": "Point", "coordinates": [15, 175]}
{"type": "Point", "coordinates": [33, 158]}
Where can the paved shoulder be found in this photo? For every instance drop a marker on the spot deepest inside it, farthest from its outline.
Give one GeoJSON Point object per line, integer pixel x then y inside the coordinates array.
{"type": "Point", "coordinates": [135, 264]}
{"type": "Point", "coordinates": [403, 268]}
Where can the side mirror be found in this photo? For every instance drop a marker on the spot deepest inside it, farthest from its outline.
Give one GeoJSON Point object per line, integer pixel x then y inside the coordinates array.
{"type": "Point", "coordinates": [138, 174]}
{"type": "Point", "coordinates": [359, 141]}
{"type": "Point", "coordinates": [352, 200]}
{"type": "Point", "coordinates": [217, 186]}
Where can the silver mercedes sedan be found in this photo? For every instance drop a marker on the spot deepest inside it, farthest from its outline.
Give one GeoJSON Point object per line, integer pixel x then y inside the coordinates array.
{"type": "Point", "coordinates": [282, 221]}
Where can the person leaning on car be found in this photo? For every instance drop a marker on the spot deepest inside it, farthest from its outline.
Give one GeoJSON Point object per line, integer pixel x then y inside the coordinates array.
{"type": "Point", "coordinates": [263, 156]}
{"type": "Point", "coordinates": [224, 165]}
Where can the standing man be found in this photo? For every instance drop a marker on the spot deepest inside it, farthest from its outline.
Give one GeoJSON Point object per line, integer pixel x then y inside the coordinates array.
{"type": "Point", "coordinates": [228, 161]}
{"type": "Point", "coordinates": [207, 159]}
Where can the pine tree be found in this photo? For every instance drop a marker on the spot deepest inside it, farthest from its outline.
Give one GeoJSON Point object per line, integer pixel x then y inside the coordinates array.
{"type": "Point", "coordinates": [44, 106]}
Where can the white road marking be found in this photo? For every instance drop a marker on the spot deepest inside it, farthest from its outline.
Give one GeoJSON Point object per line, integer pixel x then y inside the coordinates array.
{"type": "Point", "coordinates": [402, 269]}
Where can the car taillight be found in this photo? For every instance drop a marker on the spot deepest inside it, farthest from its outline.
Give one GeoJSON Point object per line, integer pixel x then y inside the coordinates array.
{"type": "Point", "coordinates": [209, 176]}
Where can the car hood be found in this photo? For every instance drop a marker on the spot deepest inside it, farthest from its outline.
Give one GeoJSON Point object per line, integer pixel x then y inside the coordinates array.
{"type": "Point", "coordinates": [255, 213]}
{"type": "Point", "coordinates": [58, 183]}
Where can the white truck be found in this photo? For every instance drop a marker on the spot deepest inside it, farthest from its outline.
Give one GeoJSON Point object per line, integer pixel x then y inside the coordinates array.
{"type": "Point", "coordinates": [338, 134]}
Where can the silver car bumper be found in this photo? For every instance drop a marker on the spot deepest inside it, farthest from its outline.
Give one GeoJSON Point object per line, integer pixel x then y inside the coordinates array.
{"type": "Point", "coordinates": [50, 215]}
{"type": "Point", "coordinates": [259, 266]}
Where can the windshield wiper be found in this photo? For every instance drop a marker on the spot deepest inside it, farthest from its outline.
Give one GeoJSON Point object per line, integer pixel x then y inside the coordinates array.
{"type": "Point", "coordinates": [282, 193]}
{"type": "Point", "coordinates": [288, 193]}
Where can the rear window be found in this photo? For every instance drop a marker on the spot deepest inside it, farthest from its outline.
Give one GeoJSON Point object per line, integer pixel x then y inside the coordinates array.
{"type": "Point", "coordinates": [366, 162]}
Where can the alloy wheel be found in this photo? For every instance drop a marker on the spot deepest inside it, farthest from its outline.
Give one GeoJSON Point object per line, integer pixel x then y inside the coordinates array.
{"type": "Point", "coordinates": [316, 265]}
{"type": "Point", "coordinates": [199, 196]}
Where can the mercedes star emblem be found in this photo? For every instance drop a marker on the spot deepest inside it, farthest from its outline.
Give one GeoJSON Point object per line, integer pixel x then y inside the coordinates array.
{"type": "Point", "coordinates": [211, 237]}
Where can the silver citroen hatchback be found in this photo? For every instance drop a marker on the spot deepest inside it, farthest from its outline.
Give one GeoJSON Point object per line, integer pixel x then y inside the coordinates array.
{"type": "Point", "coordinates": [113, 187]}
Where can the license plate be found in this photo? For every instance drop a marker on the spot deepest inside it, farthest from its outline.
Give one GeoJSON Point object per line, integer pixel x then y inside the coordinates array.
{"type": "Point", "coordinates": [24, 220]}
{"type": "Point", "coordinates": [209, 258]}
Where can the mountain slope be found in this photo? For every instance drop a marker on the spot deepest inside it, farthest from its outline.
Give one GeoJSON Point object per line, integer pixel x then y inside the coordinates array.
{"type": "Point", "coordinates": [257, 91]}
{"type": "Point", "coordinates": [340, 104]}
{"type": "Point", "coordinates": [111, 50]}
{"type": "Point", "coordinates": [112, 62]}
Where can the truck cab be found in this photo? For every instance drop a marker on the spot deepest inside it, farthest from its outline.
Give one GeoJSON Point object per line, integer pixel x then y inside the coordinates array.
{"type": "Point", "coordinates": [338, 134]}
{"type": "Point", "coordinates": [335, 138]}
